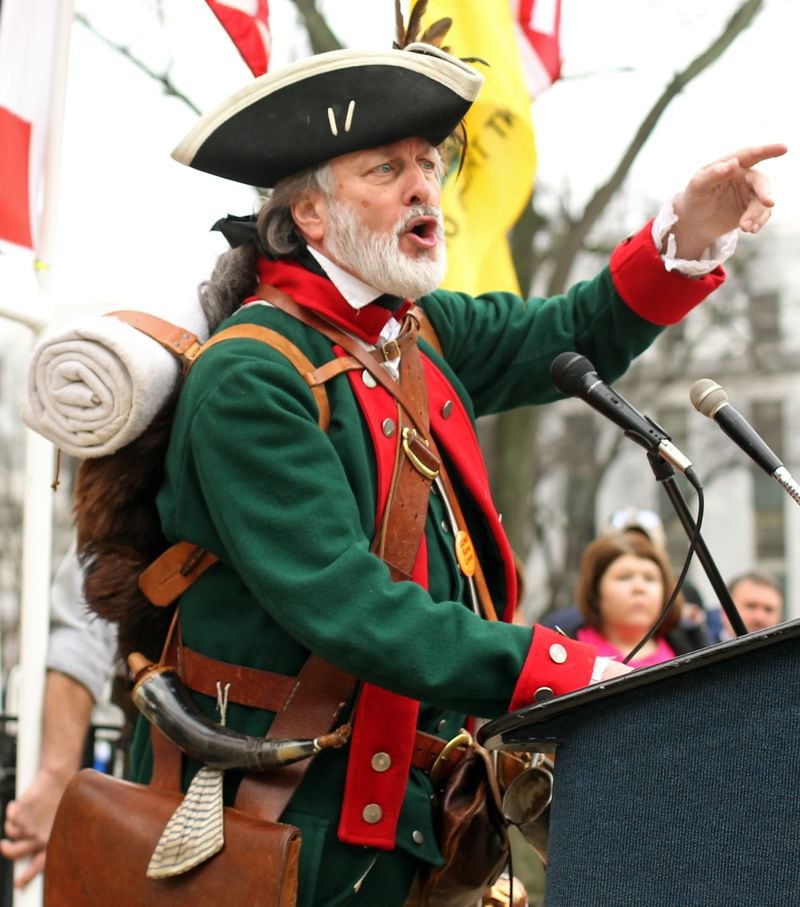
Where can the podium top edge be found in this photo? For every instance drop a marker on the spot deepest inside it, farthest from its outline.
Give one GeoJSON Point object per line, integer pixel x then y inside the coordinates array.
{"type": "Point", "coordinates": [492, 734]}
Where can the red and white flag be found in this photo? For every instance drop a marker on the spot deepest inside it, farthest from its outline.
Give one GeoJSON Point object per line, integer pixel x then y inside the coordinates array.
{"type": "Point", "coordinates": [28, 34]}
{"type": "Point", "coordinates": [247, 23]}
{"type": "Point", "coordinates": [538, 24]}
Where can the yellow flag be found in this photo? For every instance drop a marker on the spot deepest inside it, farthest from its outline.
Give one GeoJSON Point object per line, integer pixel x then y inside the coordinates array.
{"type": "Point", "coordinates": [487, 198]}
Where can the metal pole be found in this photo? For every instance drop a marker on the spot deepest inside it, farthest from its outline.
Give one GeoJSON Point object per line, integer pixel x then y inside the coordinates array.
{"type": "Point", "coordinates": [37, 527]}
{"type": "Point", "coordinates": [37, 530]}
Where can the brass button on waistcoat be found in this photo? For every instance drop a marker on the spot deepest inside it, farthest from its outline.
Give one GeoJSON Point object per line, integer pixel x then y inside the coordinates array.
{"type": "Point", "coordinates": [558, 653]}
{"type": "Point", "coordinates": [372, 814]}
{"type": "Point", "coordinates": [381, 762]}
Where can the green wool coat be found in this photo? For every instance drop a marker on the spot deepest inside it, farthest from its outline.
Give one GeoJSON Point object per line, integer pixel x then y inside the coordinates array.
{"type": "Point", "coordinates": [290, 511]}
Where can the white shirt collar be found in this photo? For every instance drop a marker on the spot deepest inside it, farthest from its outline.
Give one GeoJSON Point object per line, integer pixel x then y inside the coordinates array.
{"type": "Point", "coordinates": [357, 293]}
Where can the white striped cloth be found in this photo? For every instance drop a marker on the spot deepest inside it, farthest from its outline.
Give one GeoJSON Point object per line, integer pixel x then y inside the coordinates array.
{"type": "Point", "coordinates": [195, 831]}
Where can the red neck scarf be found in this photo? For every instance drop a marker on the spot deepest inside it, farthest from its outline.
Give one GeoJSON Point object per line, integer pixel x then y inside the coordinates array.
{"type": "Point", "coordinates": [315, 292]}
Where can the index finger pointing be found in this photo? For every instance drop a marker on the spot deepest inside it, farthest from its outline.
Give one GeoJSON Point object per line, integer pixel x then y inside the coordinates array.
{"type": "Point", "coordinates": [754, 154]}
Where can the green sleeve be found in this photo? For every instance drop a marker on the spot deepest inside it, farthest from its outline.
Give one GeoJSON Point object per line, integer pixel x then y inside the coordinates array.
{"type": "Point", "coordinates": [501, 346]}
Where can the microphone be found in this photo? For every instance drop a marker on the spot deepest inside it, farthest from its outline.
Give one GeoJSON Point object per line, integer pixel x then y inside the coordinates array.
{"type": "Point", "coordinates": [575, 376]}
{"type": "Point", "coordinates": [709, 399]}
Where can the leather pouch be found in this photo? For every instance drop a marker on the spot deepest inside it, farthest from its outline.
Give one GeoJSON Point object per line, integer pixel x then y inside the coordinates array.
{"type": "Point", "coordinates": [471, 832]}
{"type": "Point", "coordinates": [105, 832]}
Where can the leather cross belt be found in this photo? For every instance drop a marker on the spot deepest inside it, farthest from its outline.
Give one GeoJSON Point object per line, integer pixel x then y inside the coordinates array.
{"type": "Point", "coordinates": [267, 690]}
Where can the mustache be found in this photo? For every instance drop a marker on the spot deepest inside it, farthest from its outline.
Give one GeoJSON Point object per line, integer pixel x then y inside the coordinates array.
{"type": "Point", "coordinates": [421, 211]}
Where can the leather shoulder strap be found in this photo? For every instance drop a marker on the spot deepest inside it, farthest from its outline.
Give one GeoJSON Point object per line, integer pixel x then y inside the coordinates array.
{"type": "Point", "coordinates": [427, 331]}
{"type": "Point", "coordinates": [286, 348]}
{"type": "Point", "coordinates": [176, 569]}
{"type": "Point", "coordinates": [183, 344]}
{"type": "Point", "coordinates": [312, 707]}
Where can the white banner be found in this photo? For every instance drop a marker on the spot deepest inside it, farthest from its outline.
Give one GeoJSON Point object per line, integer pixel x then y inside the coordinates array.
{"type": "Point", "coordinates": [28, 30]}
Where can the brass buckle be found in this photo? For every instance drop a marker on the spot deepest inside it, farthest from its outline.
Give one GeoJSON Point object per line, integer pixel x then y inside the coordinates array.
{"type": "Point", "coordinates": [462, 739]}
{"type": "Point", "coordinates": [192, 352]}
{"type": "Point", "coordinates": [390, 350]}
{"type": "Point", "coordinates": [409, 435]}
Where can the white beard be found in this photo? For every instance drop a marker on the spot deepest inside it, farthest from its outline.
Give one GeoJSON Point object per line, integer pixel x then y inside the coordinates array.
{"type": "Point", "coordinates": [376, 258]}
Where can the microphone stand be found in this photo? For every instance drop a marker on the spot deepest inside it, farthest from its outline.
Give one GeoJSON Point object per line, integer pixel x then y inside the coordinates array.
{"type": "Point", "coordinates": [665, 474]}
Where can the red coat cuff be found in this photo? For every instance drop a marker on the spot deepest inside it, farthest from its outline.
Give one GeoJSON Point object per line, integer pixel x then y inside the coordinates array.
{"type": "Point", "coordinates": [657, 295]}
{"type": "Point", "coordinates": [555, 665]}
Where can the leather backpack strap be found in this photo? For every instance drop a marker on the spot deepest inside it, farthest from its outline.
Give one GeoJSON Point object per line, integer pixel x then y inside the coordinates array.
{"type": "Point", "coordinates": [277, 341]}
{"type": "Point", "coordinates": [174, 571]}
{"type": "Point", "coordinates": [186, 347]}
{"type": "Point", "coordinates": [183, 344]}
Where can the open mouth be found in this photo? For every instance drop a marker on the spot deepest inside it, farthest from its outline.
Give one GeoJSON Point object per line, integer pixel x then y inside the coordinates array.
{"type": "Point", "coordinates": [424, 230]}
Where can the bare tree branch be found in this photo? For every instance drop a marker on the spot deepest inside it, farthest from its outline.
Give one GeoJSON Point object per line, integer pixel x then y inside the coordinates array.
{"type": "Point", "coordinates": [319, 32]}
{"type": "Point", "coordinates": [571, 242]}
{"type": "Point", "coordinates": [163, 77]}
{"type": "Point", "coordinates": [557, 254]}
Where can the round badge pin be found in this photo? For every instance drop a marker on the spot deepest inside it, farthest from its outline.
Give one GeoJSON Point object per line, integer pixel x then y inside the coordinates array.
{"type": "Point", "coordinates": [465, 553]}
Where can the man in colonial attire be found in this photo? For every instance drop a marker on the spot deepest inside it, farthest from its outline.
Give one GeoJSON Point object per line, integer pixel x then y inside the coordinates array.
{"type": "Point", "coordinates": [333, 472]}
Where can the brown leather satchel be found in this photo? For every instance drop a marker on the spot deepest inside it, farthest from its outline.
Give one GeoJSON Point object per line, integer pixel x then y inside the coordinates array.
{"type": "Point", "coordinates": [100, 817]}
{"type": "Point", "coordinates": [106, 829]}
{"type": "Point", "coordinates": [471, 832]}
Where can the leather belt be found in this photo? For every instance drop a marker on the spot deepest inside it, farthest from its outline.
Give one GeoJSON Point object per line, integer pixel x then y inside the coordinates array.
{"type": "Point", "coordinates": [267, 690]}
{"type": "Point", "coordinates": [249, 686]}
{"type": "Point", "coordinates": [428, 751]}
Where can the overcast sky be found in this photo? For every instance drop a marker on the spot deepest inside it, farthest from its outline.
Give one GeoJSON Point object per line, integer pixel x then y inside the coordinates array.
{"type": "Point", "coordinates": [133, 227]}
{"type": "Point", "coordinates": [745, 97]}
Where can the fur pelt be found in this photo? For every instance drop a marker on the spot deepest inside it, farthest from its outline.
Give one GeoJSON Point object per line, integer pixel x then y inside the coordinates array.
{"type": "Point", "coordinates": [119, 535]}
{"type": "Point", "coordinates": [118, 527]}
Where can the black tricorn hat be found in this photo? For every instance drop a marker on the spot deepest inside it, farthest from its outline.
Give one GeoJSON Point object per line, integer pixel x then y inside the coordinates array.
{"type": "Point", "coordinates": [330, 104]}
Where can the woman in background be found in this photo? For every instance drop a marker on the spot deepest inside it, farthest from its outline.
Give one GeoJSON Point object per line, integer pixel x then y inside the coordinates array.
{"type": "Point", "coordinates": [624, 582]}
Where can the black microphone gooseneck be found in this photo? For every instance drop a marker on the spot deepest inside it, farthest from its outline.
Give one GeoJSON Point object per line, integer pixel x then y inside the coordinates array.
{"type": "Point", "coordinates": [666, 477]}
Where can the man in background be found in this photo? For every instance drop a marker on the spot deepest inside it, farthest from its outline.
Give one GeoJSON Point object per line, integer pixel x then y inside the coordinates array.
{"type": "Point", "coordinates": [759, 600]}
{"type": "Point", "coordinates": [81, 661]}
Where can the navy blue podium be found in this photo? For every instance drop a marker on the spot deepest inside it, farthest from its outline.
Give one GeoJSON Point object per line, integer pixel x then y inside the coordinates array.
{"type": "Point", "coordinates": [677, 784]}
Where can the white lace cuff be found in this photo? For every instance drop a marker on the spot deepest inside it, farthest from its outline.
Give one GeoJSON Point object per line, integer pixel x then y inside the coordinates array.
{"type": "Point", "coordinates": [718, 252]}
{"type": "Point", "coordinates": [600, 664]}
